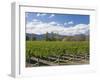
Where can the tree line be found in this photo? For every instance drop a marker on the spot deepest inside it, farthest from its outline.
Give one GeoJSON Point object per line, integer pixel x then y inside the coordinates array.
{"type": "Point", "coordinates": [56, 37]}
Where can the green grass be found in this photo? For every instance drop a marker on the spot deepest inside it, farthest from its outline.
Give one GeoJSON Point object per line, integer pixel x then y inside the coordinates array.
{"type": "Point", "coordinates": [56, 48]}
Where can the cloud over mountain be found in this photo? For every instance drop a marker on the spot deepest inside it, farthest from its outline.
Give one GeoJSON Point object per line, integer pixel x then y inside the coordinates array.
{"type": "Point", "coordinates": [39, 27]}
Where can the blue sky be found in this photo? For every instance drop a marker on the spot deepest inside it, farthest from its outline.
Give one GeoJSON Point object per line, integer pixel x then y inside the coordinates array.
{"type": "Point", "coordinates": [50, 21]}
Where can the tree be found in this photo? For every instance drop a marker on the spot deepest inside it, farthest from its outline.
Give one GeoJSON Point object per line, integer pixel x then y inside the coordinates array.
{"type": "Point", "coordinates": [80, 37]}
{"type": "Point", "coordinates": [33, 37]}
{"type": "Point", "coordinates": [27, 38]}
{"type": "Point", "coordinates": [46, 36]}
{"type": "Point", "coordinates": [52, 36]}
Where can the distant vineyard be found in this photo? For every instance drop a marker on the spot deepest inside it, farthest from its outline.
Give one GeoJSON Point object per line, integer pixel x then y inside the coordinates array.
{"type": "Point", "coordinates": [56, 52]}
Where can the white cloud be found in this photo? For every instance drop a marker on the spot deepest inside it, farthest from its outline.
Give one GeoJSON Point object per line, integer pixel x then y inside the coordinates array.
{"type": "Point", "coordinates": [41, 14]}
{"type": "Point", "coordinates": [39, 27]}
{"type": "Point", "coordinates": [52, 15]}
{"type": "Point", "coordinates": [38, 14]}
{"type": "Point", "coordinates": [35, 20]}
{"type": "Point", "coordinates": [70, 22]}
{"type": "Point", "coordinates": [53, 23]}
{"type": "Point", "coordinates": [65, 23]}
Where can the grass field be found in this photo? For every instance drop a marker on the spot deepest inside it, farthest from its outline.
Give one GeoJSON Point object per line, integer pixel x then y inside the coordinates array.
{"type": "Point", "coordinates": [56, 52]}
